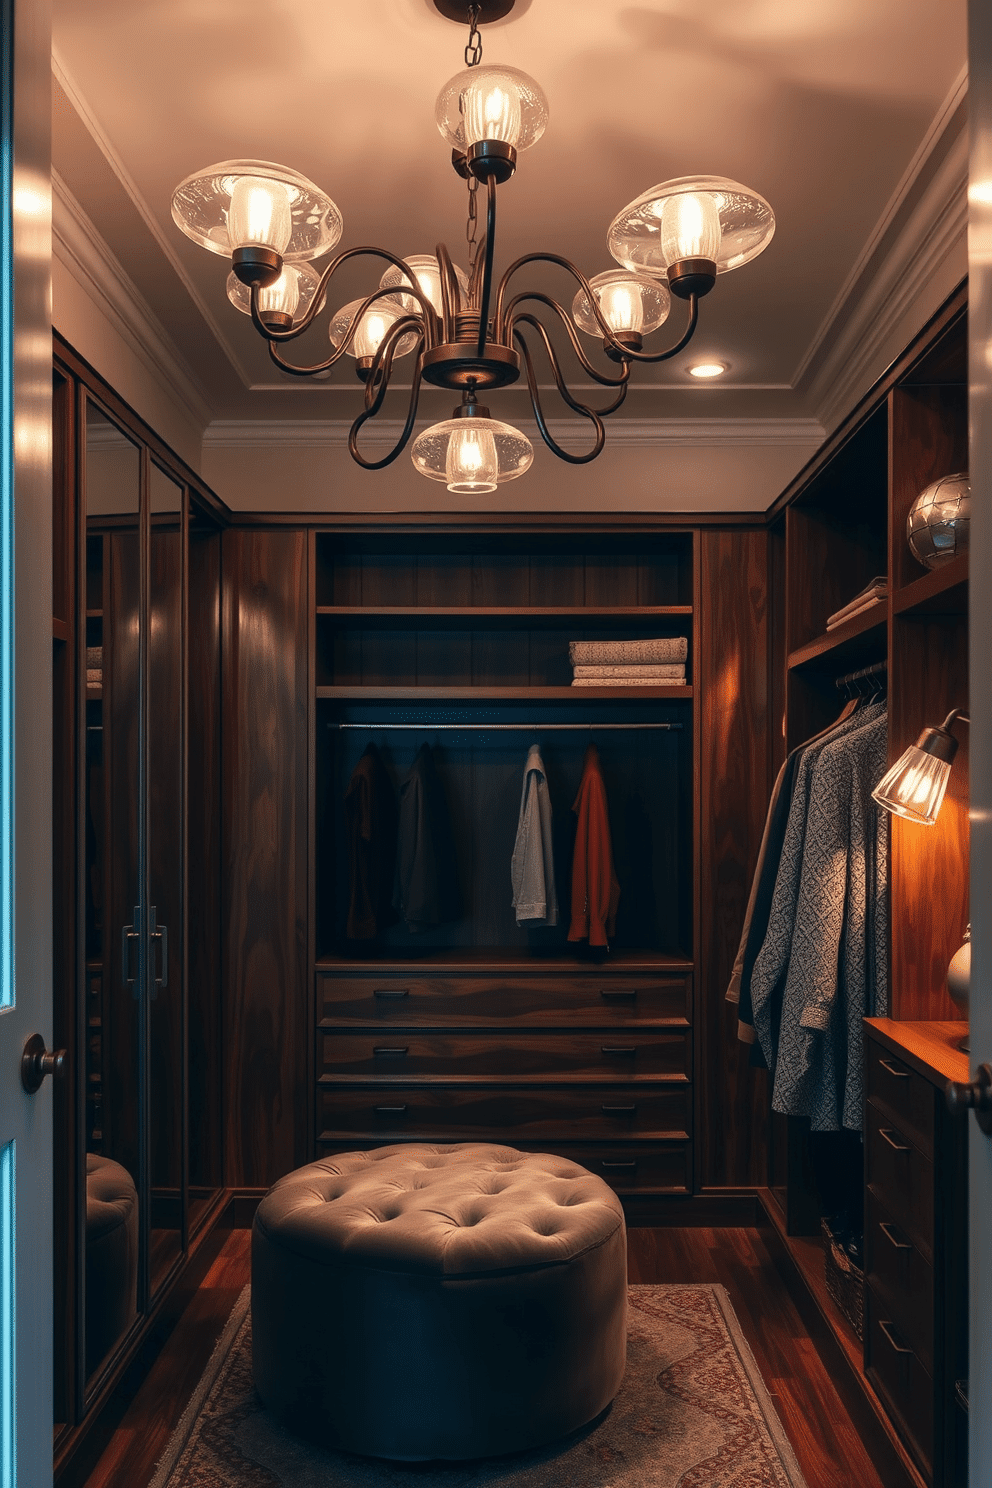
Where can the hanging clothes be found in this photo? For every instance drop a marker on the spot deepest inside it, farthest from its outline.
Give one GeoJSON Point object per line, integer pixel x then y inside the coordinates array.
{"type": "Point", "coordinates": [595, 890]}
{"type": "Point", "coordinates": [370, 823]}
{"type": "Point", "coordinates": [532, 868]}
{"type": "Point", "coordinates": [426, 889]}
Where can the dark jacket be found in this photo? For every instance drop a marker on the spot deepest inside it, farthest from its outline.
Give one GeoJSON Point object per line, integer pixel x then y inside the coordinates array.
{"type": "Point", "coordinates": [370, 819]}
{"type": "Point", "coordinates": [426, 892]}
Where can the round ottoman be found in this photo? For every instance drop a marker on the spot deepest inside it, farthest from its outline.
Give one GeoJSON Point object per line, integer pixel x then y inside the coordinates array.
{"type": "Point", "coordinates": [424, 1302]}
{"type": "Point", "coordinates": [111, 1256]}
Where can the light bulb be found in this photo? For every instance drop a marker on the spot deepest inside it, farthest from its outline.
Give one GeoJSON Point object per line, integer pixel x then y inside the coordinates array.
{"type": "Point", "coordinates": [690, 227]}
{"type": "Point", "coordinates": [622, 305]}
{"type": "Point", "coordinates": [914, 788]}
{"type": "Point", "coordinates": [471, 466]}
{"type": "Point", "coordinates": [492, 111]}
{"type": "Point", "coordinates": [282, 297]}
{"type": "Point", "coordinates": [260, 215]}
{"type": "Point", "coordinates": [631, 304]}
{"type": "Point", "coordinates": [428, 277]}
{"type": "Point", "coordinates": [371, 331]}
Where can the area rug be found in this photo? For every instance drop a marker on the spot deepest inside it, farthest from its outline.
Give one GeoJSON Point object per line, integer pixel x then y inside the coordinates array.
{"type": "Point", "coordinates": [692, 1413]}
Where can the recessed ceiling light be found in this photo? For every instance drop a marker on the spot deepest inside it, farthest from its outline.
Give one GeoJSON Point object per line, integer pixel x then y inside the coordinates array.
{"type": "Point", "coordinates": [707, 369]}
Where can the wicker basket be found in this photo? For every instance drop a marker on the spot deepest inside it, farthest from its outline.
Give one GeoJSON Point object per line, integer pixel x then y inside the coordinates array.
{"type": "Point", "coordinates": [845, 1282]}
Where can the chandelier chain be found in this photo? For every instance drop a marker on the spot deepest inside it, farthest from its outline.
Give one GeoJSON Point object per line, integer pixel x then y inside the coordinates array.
{"type": "Point", "coordinates": [473, 49]}
{"type": "Point", "coordinates": [471, 226]}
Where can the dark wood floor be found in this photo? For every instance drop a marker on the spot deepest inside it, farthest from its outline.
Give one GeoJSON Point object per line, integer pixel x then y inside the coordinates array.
{"type": "Point", "coordinates": [826, 1443]}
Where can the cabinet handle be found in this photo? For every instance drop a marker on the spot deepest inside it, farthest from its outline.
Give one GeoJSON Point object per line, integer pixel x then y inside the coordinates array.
{"type": "Point", "coordinates": [387, 1053]}
{"type": "Point", "coordinates": [900, 1074]}
{"type": "Point", "coordinates": [888, 1137]}
{"type": "Point", "coordinates": [625, 1049]}
{"type": "Point", "coordinates": [606, 1163]}
{"type": "Point", "coordinates": [390, 1110]}
{"type": "Point", "coordinates": [391, 992]}
{"type": "Point", "coordinates": [617, 994]}
{"type": "Point", "coordinates": [889, 1234]}
{"type": "Point", "coordinates": [619, 1110]}
{"type": "Point", "coordinates": [900, 1348]}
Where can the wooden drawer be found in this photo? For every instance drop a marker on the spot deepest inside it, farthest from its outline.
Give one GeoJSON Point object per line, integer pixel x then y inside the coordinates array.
{"type": "Point", "coordinates": [501, 1115]}
{"type": "Point", "coordinates": [413, 1000]}
{"type": "Point", "coordinates": [519, 1056]}
{"type": "Point", "coordinates": [900, 1379]}
{"type": "Point", "coordinates": [903, 1095]}
{"type": "Point", "coordinates": [902, 1278]}
{"type": "Point", "coordinates": [902, 1178]}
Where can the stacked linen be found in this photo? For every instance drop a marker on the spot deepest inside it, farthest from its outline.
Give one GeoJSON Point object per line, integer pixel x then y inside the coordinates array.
{"type": "Point", "coordinates": [657, 663]}
{"type": "Point", "coordinates": [874, 592]}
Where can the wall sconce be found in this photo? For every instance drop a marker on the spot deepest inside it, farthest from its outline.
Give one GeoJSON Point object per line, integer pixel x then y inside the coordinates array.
{"type": "Point", "coordinates": [914, 787]}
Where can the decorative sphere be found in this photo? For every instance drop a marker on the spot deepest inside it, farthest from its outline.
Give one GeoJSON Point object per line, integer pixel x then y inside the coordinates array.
{"type": "Point", "coordinates": [937, 528]}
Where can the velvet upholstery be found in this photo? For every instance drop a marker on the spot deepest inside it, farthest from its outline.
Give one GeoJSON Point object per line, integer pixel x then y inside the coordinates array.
{"type": "Point", "coordinates": [111, 1256]}
{"type": "Point", "coordinates": [422, 1302]}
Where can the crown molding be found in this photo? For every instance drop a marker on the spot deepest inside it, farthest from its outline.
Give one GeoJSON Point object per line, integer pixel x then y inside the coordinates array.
{"type": "Point", "coordinates": [90, 122]}
{"type": "Point", "coordinates": [86, 256]}
{"type": "Point", "coordinates": [571, 434]}
{"type": "Point", "coordinates": [925, 221]}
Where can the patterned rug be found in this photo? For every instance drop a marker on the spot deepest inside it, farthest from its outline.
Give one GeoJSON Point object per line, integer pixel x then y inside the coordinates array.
{"type": "Point", "coordinates": [692, 1413]}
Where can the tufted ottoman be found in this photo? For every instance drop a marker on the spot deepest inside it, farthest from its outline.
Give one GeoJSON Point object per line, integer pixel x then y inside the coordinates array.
{"type": "Point", "coordinates": [423, 1302]}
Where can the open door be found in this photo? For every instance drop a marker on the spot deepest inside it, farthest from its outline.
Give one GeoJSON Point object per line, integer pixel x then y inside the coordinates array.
{"type": "Point", "coordinates": [25, 748]}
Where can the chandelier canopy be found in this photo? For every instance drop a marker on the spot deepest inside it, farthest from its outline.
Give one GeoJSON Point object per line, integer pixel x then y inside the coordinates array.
{"type": "Point", "coordinates": [466, 334]}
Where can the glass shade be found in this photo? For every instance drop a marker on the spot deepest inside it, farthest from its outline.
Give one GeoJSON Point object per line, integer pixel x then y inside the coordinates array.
{"type": "Point", "coordinates": [472, 455]}
{"type": "Point", "coordinates": [292, 294]}
{"type": "Point", "coordinates": [914, 787]}
{"type": "Point", "coordinates": [491, 103]}
{"type": "Point", "coordinates": [657, 229]}
{"type": "Point", "coordinates": [371, 329]}
{"type": "Point", "coordinates": [428, 276]}
{"type": "Point", "coordinates": [629, 302]}
{"type": "Point", "coordinates": [215, 206]}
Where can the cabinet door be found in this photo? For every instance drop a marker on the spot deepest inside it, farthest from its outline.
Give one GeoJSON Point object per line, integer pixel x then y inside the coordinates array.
{"type": "Point", "coordinates": [166, 856]}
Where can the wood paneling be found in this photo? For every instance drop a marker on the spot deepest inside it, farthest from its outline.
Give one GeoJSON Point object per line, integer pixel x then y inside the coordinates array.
{"type": "Point", "coordinates": [266, 725]}
{"type": "Point", "coordinates": [928, 438]}
{"type": "Point", "coordinates": [734, 724]}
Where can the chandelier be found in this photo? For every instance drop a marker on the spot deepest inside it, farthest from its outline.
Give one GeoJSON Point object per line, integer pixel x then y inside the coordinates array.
{"type": "Point", "coordinates": [468, 335]}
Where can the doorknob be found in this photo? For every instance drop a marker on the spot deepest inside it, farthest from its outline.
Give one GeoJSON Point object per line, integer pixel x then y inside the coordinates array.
{"type": "Point", "coordinates": [976, 1096]}
{"type": "Point", "coordinates": [37, 1062]}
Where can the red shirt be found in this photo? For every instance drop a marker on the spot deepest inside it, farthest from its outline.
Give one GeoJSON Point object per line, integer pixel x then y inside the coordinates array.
{"type": "Point", "coordinates": [595, 891]}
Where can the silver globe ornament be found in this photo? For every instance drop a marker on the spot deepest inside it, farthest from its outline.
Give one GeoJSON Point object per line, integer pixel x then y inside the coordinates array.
{"type": "Point", "coordinates": [937, 528]}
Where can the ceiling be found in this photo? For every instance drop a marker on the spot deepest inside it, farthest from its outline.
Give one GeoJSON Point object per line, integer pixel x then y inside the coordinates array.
{"type": "Point", "coordinates": [821, 106]}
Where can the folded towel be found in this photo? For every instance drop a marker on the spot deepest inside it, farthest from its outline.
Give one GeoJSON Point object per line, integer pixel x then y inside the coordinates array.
{"type": "Point", "coordinates": [674, 671]}
{"type": "Point", "coordinates": [94, 656]}
{"type": "Point", "coordinates": [622, 653]}
{"type": "Point", "coordinates": [868, 604]}
{"type": "Point", "coordinates": [630, 682]}
{"type": "Point", "coordinates": [877, 589]}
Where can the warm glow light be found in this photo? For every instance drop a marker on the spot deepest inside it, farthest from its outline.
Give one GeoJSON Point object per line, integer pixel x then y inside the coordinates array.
{"type": "Point", "coordinates": [981, 191]}
{"type": "Point", "coordinates": [622, 305]}
{"type": "Point", "coordinates": [914, 788]}
{"type": "Point", "coordinates": [690, 227]}
{"type": "Point", "coordinates": [492, 112]}
{"type": "Point", "coordinates": [260, 215]}
{"type": "Point", "coordinates": [704, 370]}
{"type": "Point", "coordinates": [471, 465]}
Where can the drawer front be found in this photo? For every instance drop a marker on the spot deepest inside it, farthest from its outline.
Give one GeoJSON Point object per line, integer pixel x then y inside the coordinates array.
{"type": "Point", "coordinates": [416, 1001]}
{"type": "Point", "coordinates": [628, 1169]}
{"type": "Point", "coordinates": [485, 1114]}
{"type": "Point", "coordinates": [902, 1178]}
{"type": "Point", "coordinates": [903, 1095]}
{"type": "Point", "coordinates": [902, 1279]}
{"type": "Point", "coordinates": [900, 1379]}
{"type": "Point", "coordinates": [539, 1056]}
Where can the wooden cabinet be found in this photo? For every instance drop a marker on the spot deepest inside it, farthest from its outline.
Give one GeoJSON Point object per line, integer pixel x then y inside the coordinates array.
{"type": "Point", "coordinates": [916, 1241]}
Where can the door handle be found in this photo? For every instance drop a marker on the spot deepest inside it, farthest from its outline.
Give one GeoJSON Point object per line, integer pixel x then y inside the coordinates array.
{"type": "Point", "coordinates": [161, 934]}
{"type": "Point", "coordinates": [129, 933]}
{"type": "Point", "coordinates": [37, 1062]}
{"type": "Point", "coordinates": [975, 1096]}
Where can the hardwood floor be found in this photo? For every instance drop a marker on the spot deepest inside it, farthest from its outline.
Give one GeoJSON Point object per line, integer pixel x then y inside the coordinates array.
{"type": "Point", "coordinates": [830, 1451]}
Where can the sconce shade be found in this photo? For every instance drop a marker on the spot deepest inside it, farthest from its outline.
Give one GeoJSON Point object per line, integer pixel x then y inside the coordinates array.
{"type": "Point", "coordinates": [209, 206]}
{"type": "Point", "coordinates": [371, 329]}
{"type": "Point", "coordinates": [629, 302]}
{"type": "Point", "coordinates": [426, 271]}
{"type": "Point", "coordinates": [914, 787]}
{"type": "Point", "coordinates": [694, 217]}
{"type": "Point", "coordinates": [472, 455]}
{"type": "Point", "coordinates": [491, 103]}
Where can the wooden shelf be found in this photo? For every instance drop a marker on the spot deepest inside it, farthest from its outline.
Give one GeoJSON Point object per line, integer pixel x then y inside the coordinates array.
{"type": "Point", "coordinates": [856, 638]}
{"type": "Point", "coordinates": [60, 629]}
{"type": "Point", "coordinates": [506, 958]}
{"type": "Point", "coordinates": [943, 591]}
{"type": "Point", "coordinates": [579, 695]}
{"type": "Point", "coordinates": [524, 617]}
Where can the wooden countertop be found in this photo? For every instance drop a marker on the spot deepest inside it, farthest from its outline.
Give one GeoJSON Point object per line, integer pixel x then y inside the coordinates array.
{"type": "Point", "coordinates": [930, 1048]}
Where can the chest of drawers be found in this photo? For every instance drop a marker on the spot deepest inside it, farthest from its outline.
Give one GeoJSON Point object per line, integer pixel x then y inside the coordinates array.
{"type": "Point", "coordinates": [590, 1061]}
{"type": "Point", "coordinates": [916, 1239]}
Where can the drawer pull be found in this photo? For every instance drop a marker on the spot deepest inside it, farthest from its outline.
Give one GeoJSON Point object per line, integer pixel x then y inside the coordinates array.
{"type": "Point", "coordinates": [626, 1049]}
{"type": "Point", "coordinates": [888, 1137]}
{"type": "Point", "coordinates": [385, 1052]}
{"type": "Point", "coordinates": [889, 1234]}
{"type": "Point", "coordinates": [618, 994]}
{"type": "Point", "coordinates": [607, 1164]}
{"type": "Point", "coordinates": [619, 1110]}
{"type": "Point", "coordinates": [900, 1074]}
{"type": "Point", "coordinates": [391, 992]}
{"type": "Point", "coordinates": [900, 1348]}
{"type": "Point", "coordinates": [390, 1110]}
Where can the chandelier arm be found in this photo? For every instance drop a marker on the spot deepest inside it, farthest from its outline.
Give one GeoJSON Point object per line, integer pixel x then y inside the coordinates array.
{"type": "Point", "coordinates": [404, 438]}
{"type": "Point", "coordinates": [487, 272]}
{"type": "Point", "coordinates": [535, 399]}
{"type": "Point", "coordinates": [381, 370]}
{"type": "Point", "coordinates": [663, 356]}
{"type": "Point", "coordinates": [417, 322]}
{"type": "Point", "coordinates": [543, 299]}
{"type": "Point", "coordinates": [560, 383]}
{"type": "Point", "coordinates": [451, 299]}
{"type": "Point", "coordinates": [273, 335]}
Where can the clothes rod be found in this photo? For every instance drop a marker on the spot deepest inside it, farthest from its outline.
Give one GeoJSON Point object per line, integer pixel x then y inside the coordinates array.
{"type": "Point", "coordinates": [517, 728]}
